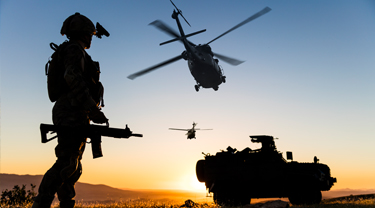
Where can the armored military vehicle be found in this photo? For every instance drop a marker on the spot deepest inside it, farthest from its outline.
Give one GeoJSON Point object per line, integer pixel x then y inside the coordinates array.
{"type": "Point", "coordinates": [234, 177]}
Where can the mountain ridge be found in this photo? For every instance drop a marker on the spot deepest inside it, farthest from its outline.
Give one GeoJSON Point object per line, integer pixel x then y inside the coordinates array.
{"type": "Point", "coordinates": [99, 192]}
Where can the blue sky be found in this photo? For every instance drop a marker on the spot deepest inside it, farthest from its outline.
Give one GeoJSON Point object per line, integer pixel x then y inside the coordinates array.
{"type": "Point", "coordinates": [308, 79]}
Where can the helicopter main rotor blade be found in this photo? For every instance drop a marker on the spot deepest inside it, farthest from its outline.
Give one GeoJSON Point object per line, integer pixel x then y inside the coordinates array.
{"type": "Point", "coordinates": [179, 129]}
{"type": "Point", "coordinates": [145, 71]}
{"type": "Point", "coordinates": [231, 61]}
{"type": "Point", "coordinates": [203, 129]}
{"type": "Point", "coordinates": [179, 38]}
{"type": "Point", "coordinates": [260, 13]}
{"type": "Point", "coordinates": [165, 28]}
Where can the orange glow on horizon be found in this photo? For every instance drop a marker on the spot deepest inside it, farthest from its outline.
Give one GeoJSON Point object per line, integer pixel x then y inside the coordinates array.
{"type": "Point", "coordinates": [196, 185]}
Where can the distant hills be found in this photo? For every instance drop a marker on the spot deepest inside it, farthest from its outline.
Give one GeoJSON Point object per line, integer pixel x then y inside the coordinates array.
{"type": "Point", "coordinates": [88, 192]}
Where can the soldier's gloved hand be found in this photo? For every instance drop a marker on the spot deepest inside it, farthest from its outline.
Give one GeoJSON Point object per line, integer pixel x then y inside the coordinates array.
{"type": "Point", "coordinates": [97, 116]}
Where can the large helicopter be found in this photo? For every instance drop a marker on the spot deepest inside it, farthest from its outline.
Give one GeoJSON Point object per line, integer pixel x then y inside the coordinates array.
{"type": "Point", "coordinates": [190, 132]}
{"type": "Point", "coordinates": [202, 64]}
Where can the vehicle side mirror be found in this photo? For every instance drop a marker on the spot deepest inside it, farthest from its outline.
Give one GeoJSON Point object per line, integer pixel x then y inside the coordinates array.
{"type": "Point", "coordinates": [289, 156]}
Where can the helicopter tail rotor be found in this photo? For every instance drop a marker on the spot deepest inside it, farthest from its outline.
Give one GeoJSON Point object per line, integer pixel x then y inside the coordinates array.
{"type": "Point", "coordinates": [180, 13]}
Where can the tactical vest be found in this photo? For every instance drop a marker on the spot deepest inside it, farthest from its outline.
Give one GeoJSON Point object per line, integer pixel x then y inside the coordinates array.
{"type": "Point", "coordinates": [92, 75]}
{"type": "Point", "coordinates": [55, 70]}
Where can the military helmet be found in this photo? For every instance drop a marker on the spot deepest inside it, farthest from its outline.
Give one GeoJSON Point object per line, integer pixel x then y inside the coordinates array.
{"type": "Point", "coordinates": [77, 25]}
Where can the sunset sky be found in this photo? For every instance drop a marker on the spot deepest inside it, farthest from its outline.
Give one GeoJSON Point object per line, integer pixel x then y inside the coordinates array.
{"type": "Point", "coordinates": [308, 79]}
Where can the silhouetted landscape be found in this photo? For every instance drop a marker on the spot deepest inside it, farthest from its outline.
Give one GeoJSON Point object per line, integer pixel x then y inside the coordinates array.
{"type": "Point", "coordinates": [98, 192]}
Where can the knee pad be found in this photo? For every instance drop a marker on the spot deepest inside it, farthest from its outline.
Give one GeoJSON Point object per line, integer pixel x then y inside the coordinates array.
{"type": "Point", "coordinates": [76, 175]}
{"type": "Point", "coordinates": [70, 168]}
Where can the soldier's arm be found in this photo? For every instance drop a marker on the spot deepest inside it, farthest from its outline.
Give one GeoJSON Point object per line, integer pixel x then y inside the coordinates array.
{"type": "Point", "coordinates": [79, 94]}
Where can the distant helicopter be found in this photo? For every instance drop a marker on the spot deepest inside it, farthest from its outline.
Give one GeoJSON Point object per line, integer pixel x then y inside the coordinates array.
{"type": "Point", "coordinates": [190, 132]}
{"type": "Point", "coordinates": [202, 64]}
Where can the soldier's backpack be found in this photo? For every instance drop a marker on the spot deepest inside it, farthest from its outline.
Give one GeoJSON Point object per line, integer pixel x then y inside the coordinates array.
{"type": "Point", "coordinates": [54, 70]}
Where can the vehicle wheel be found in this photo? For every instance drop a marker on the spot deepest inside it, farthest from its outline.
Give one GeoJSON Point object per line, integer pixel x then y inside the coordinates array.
{"type": "Point", "coordinates": [306, 197]}
{"type": "Point", "coordinates": [245, 200]}
{"type": "Point", "coordinates": [196, 88]}
{"type": "Point", "coordinates": [199, 169]}
{"type": "Point", "coordinates": [221, 198]}
{"type": "Point", "coordinates": [295, 199]}
{"type": "Point", "coordinates": [314, 197]}
{"type": "Point", "coordinates": [230, 199]}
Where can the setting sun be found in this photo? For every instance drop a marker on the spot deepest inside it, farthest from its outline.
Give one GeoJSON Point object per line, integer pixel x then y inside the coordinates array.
{"type": "Point", "coordinates": [191, 183]}
{"type": "Point", "coordinates": [196, 185]}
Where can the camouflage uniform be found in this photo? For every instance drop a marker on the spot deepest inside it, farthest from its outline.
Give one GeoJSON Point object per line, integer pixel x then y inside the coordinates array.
{"type": "Point", "coordinates": [73, 108]}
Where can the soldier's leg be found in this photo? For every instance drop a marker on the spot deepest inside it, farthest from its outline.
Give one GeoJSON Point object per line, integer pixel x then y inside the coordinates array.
{"type": "Point", "coordinates": [69, 152]}
{"type": "Point", "coordinates": [66, 192]}
{"type": "Point", "coordinates": [71, 173]}
{"type": "Point", "coordinates": [51, 182]}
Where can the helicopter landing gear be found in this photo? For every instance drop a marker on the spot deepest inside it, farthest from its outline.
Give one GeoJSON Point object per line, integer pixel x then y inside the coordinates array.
{"type": "Point", "coordinates": [216, 88]}
{"type": "Point", "coordinates": [196, 87]}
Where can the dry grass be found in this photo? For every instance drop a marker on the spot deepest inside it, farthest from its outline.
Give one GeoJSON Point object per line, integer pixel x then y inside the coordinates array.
{"type": "Point", "coordinates": [139, 203]}
{"type": "Point", "coordinates": [362, 203]}
{"type": "Point", "coordinates": [359, 203]}
{"type": "Point", "coordinates": [144, 203]}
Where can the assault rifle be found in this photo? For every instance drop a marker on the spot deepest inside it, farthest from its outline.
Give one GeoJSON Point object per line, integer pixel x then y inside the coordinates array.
{"type": "Point", "coordinates": [94, 132]}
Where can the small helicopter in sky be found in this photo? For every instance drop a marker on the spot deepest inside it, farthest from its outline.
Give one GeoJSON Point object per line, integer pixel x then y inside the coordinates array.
{"type": "Point", "coordinates": [190, 132]}
{"type": "Point", "coordinates": [201, 62]}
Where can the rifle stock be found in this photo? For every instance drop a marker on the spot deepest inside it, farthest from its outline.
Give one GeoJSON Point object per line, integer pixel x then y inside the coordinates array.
{"type": "Point", "coordinates": [94, 132]}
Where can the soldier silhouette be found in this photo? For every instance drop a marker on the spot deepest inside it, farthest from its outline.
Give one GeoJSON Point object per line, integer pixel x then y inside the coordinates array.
{"type": "Point", "coordinates": [78, 96]}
